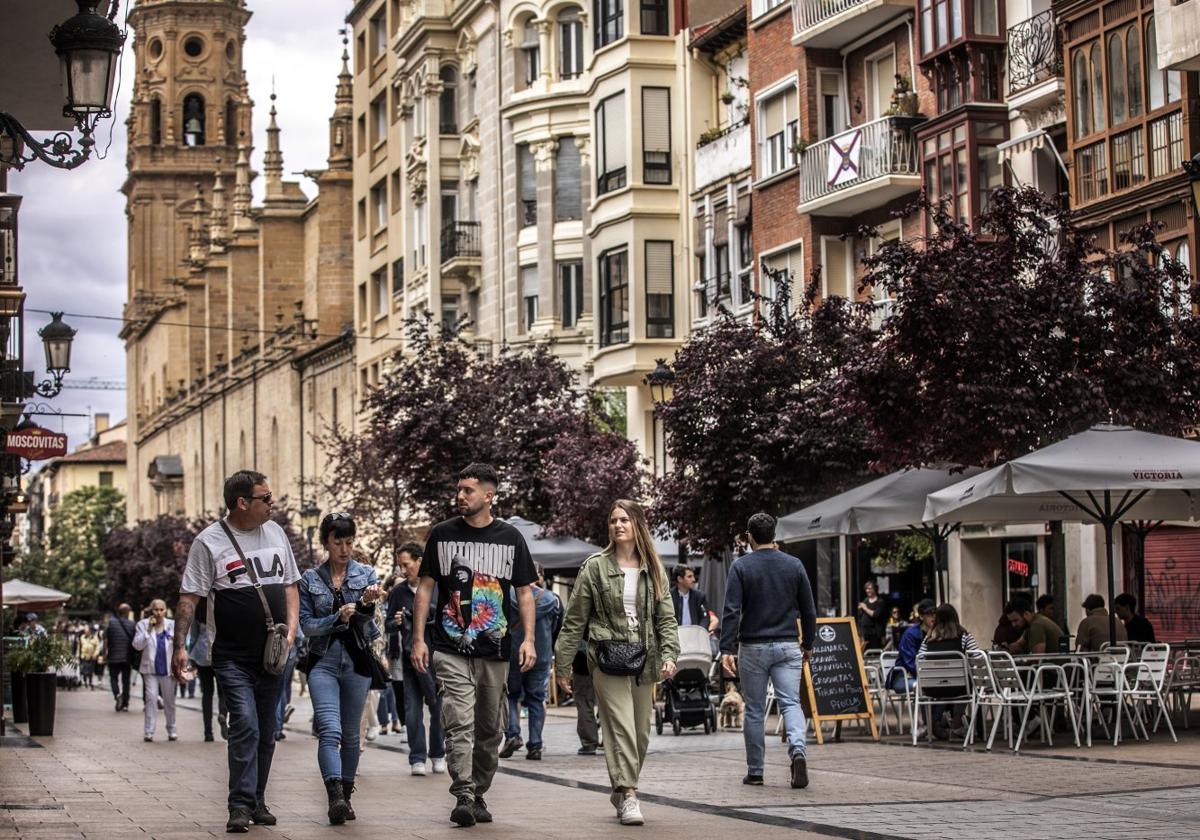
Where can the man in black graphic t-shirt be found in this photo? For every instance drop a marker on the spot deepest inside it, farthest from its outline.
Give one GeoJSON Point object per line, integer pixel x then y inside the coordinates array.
{"type": "Point", "coordinates": [475, 560]}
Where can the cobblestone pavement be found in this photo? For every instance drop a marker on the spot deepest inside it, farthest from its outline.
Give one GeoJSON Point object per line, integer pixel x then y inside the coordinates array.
{"type": "Point", "coordinates": [98, 779]}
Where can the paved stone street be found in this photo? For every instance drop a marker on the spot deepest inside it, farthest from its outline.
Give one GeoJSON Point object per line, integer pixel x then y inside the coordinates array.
{"type": "Point", "coordinates": [98, 779]}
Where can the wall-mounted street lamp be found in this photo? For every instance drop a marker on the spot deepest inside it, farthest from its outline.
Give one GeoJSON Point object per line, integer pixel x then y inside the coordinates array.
{"type": "Point", "coordinates": [310, 517]}
{"type": "Point", "coordinates": [57, 338]}
{"type": "Point", "coordinates": [661, 381]}
{"type": "Point", "coordinates": [89, 48]}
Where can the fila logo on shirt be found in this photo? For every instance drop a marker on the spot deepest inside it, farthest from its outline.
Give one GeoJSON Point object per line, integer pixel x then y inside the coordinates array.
{"type": "Point", "coordinates": [235, 568]}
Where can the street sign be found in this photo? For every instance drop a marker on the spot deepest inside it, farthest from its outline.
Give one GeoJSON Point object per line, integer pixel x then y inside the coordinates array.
{"type": "Point", "coordinates": [35, 443]}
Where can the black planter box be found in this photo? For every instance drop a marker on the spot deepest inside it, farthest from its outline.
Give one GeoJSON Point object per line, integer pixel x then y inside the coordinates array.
{"type": "Point", "coordinates": [40, 691]}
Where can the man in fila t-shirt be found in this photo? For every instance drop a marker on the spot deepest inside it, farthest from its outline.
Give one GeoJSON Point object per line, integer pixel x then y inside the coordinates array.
{"type": "Point", "coordinates": [475, 560]}
{"type": "Point", "coordinates": [238, 629]}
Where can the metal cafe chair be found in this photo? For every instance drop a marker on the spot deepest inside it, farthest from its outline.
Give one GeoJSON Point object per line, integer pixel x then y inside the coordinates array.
{"type": "Point", "coordinates": [947, 674]}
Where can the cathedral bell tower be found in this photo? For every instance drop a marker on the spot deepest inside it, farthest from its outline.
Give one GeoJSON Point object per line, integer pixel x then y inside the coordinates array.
{"type": "Point", "coordinates": [190, 118]}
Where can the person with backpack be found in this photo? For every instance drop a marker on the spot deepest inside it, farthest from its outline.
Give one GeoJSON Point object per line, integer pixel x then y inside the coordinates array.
{"type": "Point", "coordinates": [120, 655]}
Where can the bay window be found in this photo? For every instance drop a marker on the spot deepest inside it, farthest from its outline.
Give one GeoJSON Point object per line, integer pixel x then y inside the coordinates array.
{"type": "Point", "coordinates": [611, 154]}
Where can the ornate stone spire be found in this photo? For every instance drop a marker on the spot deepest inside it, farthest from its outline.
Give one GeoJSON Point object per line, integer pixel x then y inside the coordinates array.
{"type": "Point", "coordinates": [218, 230]}
{"type": "Point", "coordinates": [241, 191]}
{"type": "Point", "coordinates": [273, 159]}
{"type": "Point", "coordinates": [197, 254]}
{"type": "Point", "coordinates": [342, 122]}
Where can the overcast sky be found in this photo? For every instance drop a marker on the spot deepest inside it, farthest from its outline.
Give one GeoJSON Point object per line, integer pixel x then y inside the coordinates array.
{"type": "Point", "coordinates": [72, 224]}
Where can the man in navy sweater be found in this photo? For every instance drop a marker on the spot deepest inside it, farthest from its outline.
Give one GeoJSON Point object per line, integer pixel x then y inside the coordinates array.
{"type": "Point", "coordinates": [767, 592]}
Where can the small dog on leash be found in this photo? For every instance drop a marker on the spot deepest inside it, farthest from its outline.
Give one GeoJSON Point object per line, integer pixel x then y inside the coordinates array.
{"type": "Point", "coordinates": [733, 708]}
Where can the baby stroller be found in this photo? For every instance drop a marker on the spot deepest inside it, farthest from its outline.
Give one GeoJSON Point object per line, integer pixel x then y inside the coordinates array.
{"type": "Point", "coordinates": [686, 703]}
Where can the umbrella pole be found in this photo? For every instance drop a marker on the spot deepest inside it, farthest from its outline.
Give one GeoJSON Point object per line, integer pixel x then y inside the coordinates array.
{"type": "Point", "coordinates": [1112, 570]}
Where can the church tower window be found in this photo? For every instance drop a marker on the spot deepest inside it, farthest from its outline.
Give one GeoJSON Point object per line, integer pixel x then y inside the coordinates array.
{"type": "Point", "coordinates": [193, 120]}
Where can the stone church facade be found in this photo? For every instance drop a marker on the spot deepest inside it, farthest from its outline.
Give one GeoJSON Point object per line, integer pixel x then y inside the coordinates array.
{"type": "Point", "coordinates": [239, 340]}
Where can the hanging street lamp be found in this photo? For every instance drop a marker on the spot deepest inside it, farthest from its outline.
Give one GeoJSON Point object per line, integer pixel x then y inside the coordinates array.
{"type": "Point", "coordinates": [57, 338]}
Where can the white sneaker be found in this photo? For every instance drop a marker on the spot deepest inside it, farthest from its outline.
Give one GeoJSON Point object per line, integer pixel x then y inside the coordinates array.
{"type": "Point", "coordinates": [418, 768]}
{"type": "Point", "coordinates": [631, 812]}
{"type": "Point", "coordinates": [439, 765]}
{"type": "Point", "coordinates": [372, 732]}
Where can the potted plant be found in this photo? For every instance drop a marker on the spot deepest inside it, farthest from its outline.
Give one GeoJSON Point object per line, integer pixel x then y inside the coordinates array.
{"type": "Point", "coordinates": [727, 97]}
{"type": "Point", "coordinates": [37, 662]}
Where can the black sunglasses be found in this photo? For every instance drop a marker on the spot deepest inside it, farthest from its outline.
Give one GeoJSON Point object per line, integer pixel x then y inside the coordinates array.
{"type": "Point", "coordinates": [336, 516]}
{"type": "Point", "coordinates": [265, 498]}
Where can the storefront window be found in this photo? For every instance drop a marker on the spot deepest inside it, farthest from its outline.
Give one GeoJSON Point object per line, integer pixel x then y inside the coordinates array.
{"type": "Point", "coordinates": [1020, 569]}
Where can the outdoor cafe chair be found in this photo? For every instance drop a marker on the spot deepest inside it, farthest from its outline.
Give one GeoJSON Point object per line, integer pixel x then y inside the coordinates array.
{"type": "Point", "coordinates": [1146, 686]}
{"type": "Point", "coordinates": [891, 670]}
{"type": "Point", "coordinates": [878, 692]}
{"type": "Point", "coordinates": [1107, 683]}
{"type": "Point", "coordinates": [946, 672]}
{"type": "Point", "coordinates": [1183, 680]}
{"type": "Point", "coordinates": [1000, 688]}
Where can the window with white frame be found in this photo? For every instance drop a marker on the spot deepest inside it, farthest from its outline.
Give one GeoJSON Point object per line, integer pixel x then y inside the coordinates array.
{"type": "Point", "coordinates": [379, 122]}
{"type": "Point", "coordinates": [778, 120]}
{"type": "Point", "coordinates": [379, 208]}
{"type": "Point", "coordinates": [832, 117]}
{"type": "Point", "coordinates": [789, 261]}
{"type": "Point", "coordinates": [529, 297]}
{"type": "Point", "coordinates": [379, 292]}
{"type": "Point", "coordinates": [611, 156]}
{"type": "Point", "coordinates": [656, 135]}
{"type": "Point", "coordinates": [761, 7]}
{"type": "Point", "coordinates": [837, 267]}
{"type": "Point", "coordinates": [419, 236]}
{"type": "Point", "coordinates": [570, 44]}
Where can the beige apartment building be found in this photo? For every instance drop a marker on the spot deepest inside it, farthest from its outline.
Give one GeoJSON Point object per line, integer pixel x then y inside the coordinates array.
{"type": "Point", "coordinates": [238, 323]}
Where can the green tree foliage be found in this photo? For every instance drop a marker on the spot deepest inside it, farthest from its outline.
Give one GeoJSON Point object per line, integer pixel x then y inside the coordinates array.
{"type": "Point", "coordinates": [72, 559]}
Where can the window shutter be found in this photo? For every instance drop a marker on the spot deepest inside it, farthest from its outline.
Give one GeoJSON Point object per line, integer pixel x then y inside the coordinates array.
{"type": "Point", "coordinates": [568, 198]}
{"type": "Point", "coordinates": [615, 156]}
{"type": "Point", "coordinates": [743, 210]}
{"type": "Point", "coordinates": [721, 226]}
{"type": "Point", "coordinates": [659, 268]}
{"type": "Point", "coordinates": [656, 119]}
{"type": "Point", "coordinates": [773, 116]}
{"type": "Point", "coordinates": [528, 174]}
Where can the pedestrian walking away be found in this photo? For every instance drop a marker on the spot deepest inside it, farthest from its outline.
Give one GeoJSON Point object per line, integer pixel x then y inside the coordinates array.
{"type": "Point", "coordinates": [337, 610]}
{"type": "Point", "coordinates": [118, 654]}
{"type": "Point", "coordinates": [420, 691]}
{"type": "Point", "coordinates": [474, 560]}
{"type": "Point", "coordinates": [153, 637]}
{"type": "Point", "coordinates": [766, 594]}
{"type": "Point", "coordinates": [621, 596]}
{"type": "Point", "coordinates": [528, 688]}
{"type": "Point", "coordinates": [237, 563]}
{"type": "Point", "coordinates": [89, 652]}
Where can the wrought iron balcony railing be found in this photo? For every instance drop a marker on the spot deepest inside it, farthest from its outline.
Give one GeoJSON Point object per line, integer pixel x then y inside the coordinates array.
{"type": "Point", "coordinates": [460, 239]}
{"type": "Point", "coordinates": [886, 146]}
{"type": "Point", "coordinates": [1034, 52]}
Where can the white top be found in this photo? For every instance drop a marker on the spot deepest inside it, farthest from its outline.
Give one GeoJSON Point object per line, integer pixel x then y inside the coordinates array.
{"type": "Point", "coordinates": [629, 597]}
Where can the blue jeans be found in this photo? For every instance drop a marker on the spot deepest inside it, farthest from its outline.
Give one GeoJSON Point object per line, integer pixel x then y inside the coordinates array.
{"type": "Point", "coordinates": [386, 711]}
{"type": "Point", "coordinates": [783, 664]}
{"type": "Point", "coordinates": [285, 691]}
{"type": "Point", "coordinates": [338, 697]}
{"type": "Point", "coordinates": [420, 691]}
{"type": "Point", "coordinates": [530, 688]}
{"type": "Point", "coordinates": [250, 694]}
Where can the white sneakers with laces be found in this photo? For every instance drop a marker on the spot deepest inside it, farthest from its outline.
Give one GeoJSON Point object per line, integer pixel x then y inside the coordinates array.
{"type": "Point", "coordinates": [418, 768]}
{"type": "Point", "coordinates": [439, 765]}
{"type": "Point", "coordinates": [631, 811]}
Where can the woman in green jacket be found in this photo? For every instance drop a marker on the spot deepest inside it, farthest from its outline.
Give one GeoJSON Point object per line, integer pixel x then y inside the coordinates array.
{"type": "Point", "coordinates": [621, 594]}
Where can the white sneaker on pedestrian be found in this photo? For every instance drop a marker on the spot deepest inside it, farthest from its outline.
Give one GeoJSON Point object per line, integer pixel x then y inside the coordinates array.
{"type": "Point", "coordinates": [439, 765]}
{"type": "Point", "coordinates": [631, 812]}
{"type": "Point", "coordinates": [418, 768]}
{"type": "Point", "coordinates": [372, 732]}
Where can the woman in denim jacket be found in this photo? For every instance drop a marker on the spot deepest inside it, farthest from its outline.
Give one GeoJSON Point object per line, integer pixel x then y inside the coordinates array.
{"type": "Point", "coordinates": [337, 608]}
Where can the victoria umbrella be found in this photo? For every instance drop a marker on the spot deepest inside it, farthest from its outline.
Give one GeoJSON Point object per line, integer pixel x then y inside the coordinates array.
{"type": "Point", "coordinates": [891, 503]}
{"type": "Point", "coordinates": [554, 554]}
{"type": "Point", "coordinates": [1101, 476]}
{"type": "Point", "coordinates": [29, 597]}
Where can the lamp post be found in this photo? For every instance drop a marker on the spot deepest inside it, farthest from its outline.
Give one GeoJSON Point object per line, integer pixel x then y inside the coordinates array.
{"type": "Point", "coordinates": [89, 48]}
{"type": "Point", "coordinates": [661, 381]}
{"type": "Point", "coordinates": [310, 516]}
{"type": "Point", "coordinates": [57, 338]}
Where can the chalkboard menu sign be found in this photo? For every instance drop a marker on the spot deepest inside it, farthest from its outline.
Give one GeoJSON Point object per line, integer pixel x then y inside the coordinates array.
{"type": "Point", "coordinates": [835, 677]}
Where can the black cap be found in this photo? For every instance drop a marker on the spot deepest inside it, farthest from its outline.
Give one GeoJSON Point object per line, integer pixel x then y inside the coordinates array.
{"type": "Point", "coordinates": [925, 605]}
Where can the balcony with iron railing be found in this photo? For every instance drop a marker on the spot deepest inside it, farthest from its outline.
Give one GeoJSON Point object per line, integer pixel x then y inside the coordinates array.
{"type": "Point", "coordinates": [1035, 67]}
{"type": "Point", "coordinates": [460, 243]}
{"type": "Point", "coordinates": [867, 166]}
{"type": "Point", "coordinates": [833, 24]}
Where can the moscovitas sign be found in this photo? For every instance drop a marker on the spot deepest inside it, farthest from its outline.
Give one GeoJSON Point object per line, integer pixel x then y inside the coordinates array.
{"type": "Point", "coordinates": [35, 443]}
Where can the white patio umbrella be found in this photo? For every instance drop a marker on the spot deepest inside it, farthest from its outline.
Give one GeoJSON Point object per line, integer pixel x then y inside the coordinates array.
{"type": "Point", "coordinates": [1102, 476]}
{"type": "Point", "coordinates": [891, 503]}
{"type": "Point", "coordinates": [31, 597]}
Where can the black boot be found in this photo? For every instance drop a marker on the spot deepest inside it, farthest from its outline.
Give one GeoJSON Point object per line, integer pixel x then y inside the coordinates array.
{"type": "Point", "coordinates": [338, 807]}
{"type": "Point", "coordinates": [347, 789]}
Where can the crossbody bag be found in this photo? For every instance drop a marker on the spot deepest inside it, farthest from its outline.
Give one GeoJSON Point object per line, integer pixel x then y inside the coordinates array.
{"type": "Point", "coordinates": [620, 657]}
{"type": "Point", "coordinates": [277, 648]}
